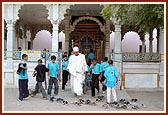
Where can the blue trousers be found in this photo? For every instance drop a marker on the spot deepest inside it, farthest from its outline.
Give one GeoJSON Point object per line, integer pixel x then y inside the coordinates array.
{"type": "Point", "coordinates": [23, 89]}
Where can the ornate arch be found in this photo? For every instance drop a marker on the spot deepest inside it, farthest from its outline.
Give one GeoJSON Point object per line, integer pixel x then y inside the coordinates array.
{"type": "Point", "coordinates": [41, 31]}
{"type": "Point", "coordinates": [72, 27]}
{"type": "Point", "coordinates": [133, 32]}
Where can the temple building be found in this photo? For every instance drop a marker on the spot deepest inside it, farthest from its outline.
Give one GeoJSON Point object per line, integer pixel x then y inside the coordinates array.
{"type": "Point", "coordinates": [68, 25]}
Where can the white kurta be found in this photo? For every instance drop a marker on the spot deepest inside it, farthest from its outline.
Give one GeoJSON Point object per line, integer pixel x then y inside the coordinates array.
{"type": "Point", "coordinates": [77, 66]}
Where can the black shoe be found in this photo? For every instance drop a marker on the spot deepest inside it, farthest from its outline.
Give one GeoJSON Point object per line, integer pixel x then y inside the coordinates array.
{"type": "Point", "coordinates": [124, 107]}
{"type": "Point", "coordinates": [65, 102]}
{"type": "Point", "coordinates": [52, 99]}
{"type": "Point", "coordinates": [134, 100]}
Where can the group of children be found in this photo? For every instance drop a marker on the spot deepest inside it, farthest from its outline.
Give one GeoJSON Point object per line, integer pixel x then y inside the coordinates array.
{"type": "Point", "coordinates": [40, 74]}
{"type": "Point", "coordinates": [105, 72]}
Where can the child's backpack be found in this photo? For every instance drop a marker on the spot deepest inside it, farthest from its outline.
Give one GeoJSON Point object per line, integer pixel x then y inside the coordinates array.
{"type": "Point", "coordinates": [19, 68]}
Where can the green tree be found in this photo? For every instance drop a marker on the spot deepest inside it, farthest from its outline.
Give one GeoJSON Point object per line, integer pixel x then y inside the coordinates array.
{"type": "Point", "coordinates": [145, 17]}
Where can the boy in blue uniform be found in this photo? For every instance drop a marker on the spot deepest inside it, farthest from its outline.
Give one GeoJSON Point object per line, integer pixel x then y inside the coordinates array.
{"type": "Point", "coordinates": [23, 78]}
{"type": "Point", "coordinates": [91, 56]}
{"type": "Point", "coordinates": [103, 66]}
{"type": "Point", "coordinates": [111, 80]}
{"type": "Point", "coordinates": [95, 71]}
{"type": "Point", "coordinates": [53, 75]}
{"type": "Point", "coordinates": [65, 72]}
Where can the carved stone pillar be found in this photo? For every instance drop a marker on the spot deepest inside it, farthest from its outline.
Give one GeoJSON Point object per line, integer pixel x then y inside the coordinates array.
{"type": "Point", "coordinates": [33, 35]}
{"type": "Point", "coordinates": [24, 38]}
{"type": "Point", "coordinates": [117, 43]}
{"type": "Point", "coordinates": [107, 45]}
{"type": "Point", "coordinates": [55, 39]}
{"type": "Point", "coordinates": [67, 32]}
{"type": "Point", "coordinates": [117, 52]}
{"type": "Point", "coordinates": [161, 51]}
{"type": "Point", "coordinates": [107, 38]}
{"type": "Point", "coordinates": [10, 41]}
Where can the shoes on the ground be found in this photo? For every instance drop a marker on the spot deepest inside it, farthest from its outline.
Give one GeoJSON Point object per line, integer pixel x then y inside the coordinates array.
{"type": "Point", "coordinates": [52, 99]}
{"type": "Point", "coordinates": [27, 98]}
{"type": "Point", "coordinates": [32, 95]}
{"type": "Point", "coordinates": [65, 102]}
{"type": "Point", "coordinates": [143, 105]}
{"type": "Point", "coordinates": [20, 99]}
{"type": "Point", "coordinates": [45, 98]}
{"type": "Point", "coordinates": [134, 100]}
{"type": "Point", "coordinates": [92, 97]}
{"type": "Point", "coordinates": [135, 107]}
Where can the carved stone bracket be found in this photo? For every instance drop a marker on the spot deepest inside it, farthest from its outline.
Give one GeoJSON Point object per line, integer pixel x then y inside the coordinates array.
{"type": "Point", "coordinates": [11, 12]}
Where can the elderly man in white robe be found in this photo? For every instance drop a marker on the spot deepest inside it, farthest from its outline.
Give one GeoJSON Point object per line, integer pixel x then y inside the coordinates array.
{"type": "Point", "coordinates": [77, 67]}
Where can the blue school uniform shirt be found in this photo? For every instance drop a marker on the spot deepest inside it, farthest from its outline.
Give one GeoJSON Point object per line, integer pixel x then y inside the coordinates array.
{"type": "Point", "coordinates": [65, 65]}
{"type": "Point", "coordinates": [88, 77]}
{"type": "Point", "coordinates": [53, 69]}
{"type": "Point", "coordinates": [21, 73]}
{"type": "Point", "coordinates": [104, 65]}
{"type": "Point", "coordinates": [111, 75]}
{"type": "Point", "coordinates": [91, 55]}
{"type": "Point", "coordinates": [96, 68]}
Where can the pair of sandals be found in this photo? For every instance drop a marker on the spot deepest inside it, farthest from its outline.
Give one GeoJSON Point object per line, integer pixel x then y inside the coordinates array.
{"type": "Point", "coordinates": [59, 100]}
{"type": "Point", "coordinates": [113, 104]}
{"type": "Point", "coordinates": [134, 100]}
{"type": "Point", "coordinates": [123, 101]}
{"type": "Point", "coordinates": [100, 98]}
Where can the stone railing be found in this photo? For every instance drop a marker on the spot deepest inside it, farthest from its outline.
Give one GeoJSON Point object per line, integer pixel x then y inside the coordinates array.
{"type": "Point", "coordinates": [141, 57]}
{"type": "Point", "coordinates": [33, 55]}
{"type": "Point", "coordinates": [16, 55]}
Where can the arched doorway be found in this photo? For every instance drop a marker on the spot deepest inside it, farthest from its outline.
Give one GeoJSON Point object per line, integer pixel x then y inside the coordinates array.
{"type": "Point", "coordinates": [86, 44]}
{"type": "Point", "coordinates": [87, 35]}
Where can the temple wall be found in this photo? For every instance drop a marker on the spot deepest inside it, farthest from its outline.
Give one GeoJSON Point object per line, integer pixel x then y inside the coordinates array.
{"type": "Point", "coordinates": [135, 75]}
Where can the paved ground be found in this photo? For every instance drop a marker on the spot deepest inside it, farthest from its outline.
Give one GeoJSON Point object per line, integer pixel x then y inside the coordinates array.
{"type": "Point", "coordinates": [153, 99]}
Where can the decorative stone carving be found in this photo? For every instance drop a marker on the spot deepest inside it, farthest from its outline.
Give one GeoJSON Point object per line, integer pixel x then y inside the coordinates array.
{"type": "Point", "coordinates": [62, 10]}
{"type": "Point", "coordinates": [141, 57]}
{"type": "Point", "coordinates": [11, 12]}
{"type": "Point", "coordinates": [72, 27]}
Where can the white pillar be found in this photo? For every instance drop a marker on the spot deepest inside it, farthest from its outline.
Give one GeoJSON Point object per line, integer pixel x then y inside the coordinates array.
{"type": "Point", "coordinates": [117, 52]}
{"type": "Point", "coordinates": [161, 51]}
{"type": "Point", "coordinates": [55, 39]}
{"type": "Point", "coordinates": [24, 39]}
{"type": "Point", "coordinates": [15, 43]}
{"type": "Point", "coordinates": [10, 42]}
{"type": "Point", "coordinates": [107, 46]}
{"type": "Point", "coordinates": [117, 43]}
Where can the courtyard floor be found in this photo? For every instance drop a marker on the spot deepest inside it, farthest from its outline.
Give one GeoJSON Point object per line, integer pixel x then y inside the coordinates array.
{"type": "Point", "coordinates": [153, 99]}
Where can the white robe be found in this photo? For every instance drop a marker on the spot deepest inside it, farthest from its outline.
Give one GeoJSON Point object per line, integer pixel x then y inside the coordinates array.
{"type": "Point", "coordinates": [77, 66]}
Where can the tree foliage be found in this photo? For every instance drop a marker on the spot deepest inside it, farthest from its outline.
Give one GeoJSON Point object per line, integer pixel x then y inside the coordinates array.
{"type": "Point", "coordinates": [145, 17]}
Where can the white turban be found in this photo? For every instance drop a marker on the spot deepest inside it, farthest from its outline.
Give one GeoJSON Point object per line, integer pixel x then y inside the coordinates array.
{"type": "Point", "coordinates": [75, 49]}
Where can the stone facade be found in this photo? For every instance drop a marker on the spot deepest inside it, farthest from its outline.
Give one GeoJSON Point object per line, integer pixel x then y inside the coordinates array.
{"type": "Point", "coordinates": [57, 14]}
